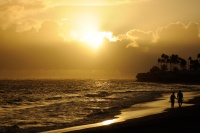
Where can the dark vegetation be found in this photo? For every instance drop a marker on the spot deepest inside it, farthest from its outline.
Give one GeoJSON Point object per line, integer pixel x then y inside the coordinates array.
{"type": "Point", "coordinates": [173, 69]}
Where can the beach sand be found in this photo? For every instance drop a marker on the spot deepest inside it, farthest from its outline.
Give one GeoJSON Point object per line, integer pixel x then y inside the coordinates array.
{"type": "Point", "coordinates": [181, 120]}
{"type": "Point", "coordinates": [185, 120]}
{"type": "Point", "coordinates": [155, 116]}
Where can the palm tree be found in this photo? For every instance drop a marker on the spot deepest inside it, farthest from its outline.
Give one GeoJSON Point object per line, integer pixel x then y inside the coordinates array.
{"type": "Point", "coordinates": [170, 63]}
{"type": "Point", "coordinates": [163, 56]}
{"type": "Point", "coordinates": [190, 60]}
{"type": "Point", "coordinates": [165, 59]}
{"type": "Point", "coordinates": [159, 62]}
{"type": "Point", "coordinates": [198, 57]}
{"type": "Point", "coordinates": [183, 63]}
{"type": "Point", "coordinates": [174, 60]}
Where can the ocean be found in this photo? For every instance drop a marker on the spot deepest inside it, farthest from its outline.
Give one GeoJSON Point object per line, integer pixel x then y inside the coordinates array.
{"type": "Point", "coordinates": [52, 104]}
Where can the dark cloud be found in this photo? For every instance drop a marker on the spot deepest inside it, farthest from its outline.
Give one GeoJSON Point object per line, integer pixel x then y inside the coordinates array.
{"type": "Point", "coordinates": [179, 38]}
{"type": "Point", "coordinates": [179, 33]}
{"type": "Point", "coordinates": [174, 38]}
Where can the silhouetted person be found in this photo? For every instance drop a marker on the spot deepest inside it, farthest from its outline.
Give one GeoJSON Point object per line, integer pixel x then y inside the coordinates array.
{"type": "Point", "coordinates": [180, 98]}
{"type": "Point", "coordinates": [172, 99]}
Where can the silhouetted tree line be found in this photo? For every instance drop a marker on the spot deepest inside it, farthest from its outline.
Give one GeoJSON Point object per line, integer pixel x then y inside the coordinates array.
{"type": "Point", "coordinates": [175, 63]}
{"type": "Point", "coordinates": [173, 69]}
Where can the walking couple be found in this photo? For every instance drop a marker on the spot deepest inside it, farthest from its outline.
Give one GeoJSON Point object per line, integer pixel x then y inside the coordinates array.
{"type": "Point", "coordinates": [179, 98]}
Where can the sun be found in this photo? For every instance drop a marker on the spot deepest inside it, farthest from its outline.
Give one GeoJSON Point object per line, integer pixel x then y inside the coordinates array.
{"type": "Point", "coordinates": [93, 39]}
{"type": "Point", "coordinates": [89, 32]}
{"type": "Point", "coordinates": [86, 29]}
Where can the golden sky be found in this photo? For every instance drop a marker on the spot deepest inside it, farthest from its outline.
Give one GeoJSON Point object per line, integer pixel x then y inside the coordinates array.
{"type": "Point", "coordinates": [94, 38]}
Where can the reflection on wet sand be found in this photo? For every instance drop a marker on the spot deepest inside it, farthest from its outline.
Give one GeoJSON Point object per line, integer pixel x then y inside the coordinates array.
{"type": "Point", "coordinates": [108, 122]}
{"type": "Point", "coordinates": [136, 111]}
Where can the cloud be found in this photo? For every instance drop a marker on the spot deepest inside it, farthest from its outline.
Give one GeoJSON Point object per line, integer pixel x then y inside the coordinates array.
{"type": "Point", "coordinates": [179, 33]}
{"type": "Point", "coordinates": [92, 2]}
{"type": "Point", "coordinates": [173, 34]}
{"type": "Point", "coordinates": [34, 51]}
{"type": "Point", "coordinates": [139, 38]}
{"type": "Point", "coordinates": [175, 38]}
{"type": "Point", "coordinates": [30, 33]}
{"type": "Point", "coordinates": [43, 50]}
{"type": "Point", "coordinates": [10, 15]}
{"type": "Point", "coordinates": [29, 5]}
{"type": "Point", "coordinates": [179, 38]}
{"type": "Point", "coordinates": [20, 12]}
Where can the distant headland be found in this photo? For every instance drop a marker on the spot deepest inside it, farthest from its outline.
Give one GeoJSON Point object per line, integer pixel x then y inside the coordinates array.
{"type": "Point", "coordinates": [173, 69]}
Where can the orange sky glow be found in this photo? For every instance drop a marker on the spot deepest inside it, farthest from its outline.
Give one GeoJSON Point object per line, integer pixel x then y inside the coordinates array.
{"type": "Point", "coordinates": [93, 38]}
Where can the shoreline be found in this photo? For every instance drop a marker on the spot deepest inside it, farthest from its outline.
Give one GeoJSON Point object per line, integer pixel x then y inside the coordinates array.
{"type": "Point", "coordinates": [134, 115]}
{"type": "Point", "coordinates": [185, 120]}
{"type": "Point", "coordinates": [152, 115]}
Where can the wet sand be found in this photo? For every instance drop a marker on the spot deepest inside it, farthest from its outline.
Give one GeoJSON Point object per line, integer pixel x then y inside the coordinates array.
{"type": "Point", "coordinates": [155, 116]}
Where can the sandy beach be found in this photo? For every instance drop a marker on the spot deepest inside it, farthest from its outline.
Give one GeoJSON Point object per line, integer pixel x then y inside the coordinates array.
{"type": "Point", "coordinates": [184, 120]}
{"type": "Point", "coordinates": [155, 116]}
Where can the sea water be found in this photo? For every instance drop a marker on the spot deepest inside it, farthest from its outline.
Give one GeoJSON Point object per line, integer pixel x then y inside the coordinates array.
{"type": "Point", "coordinates": [67, 103]}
